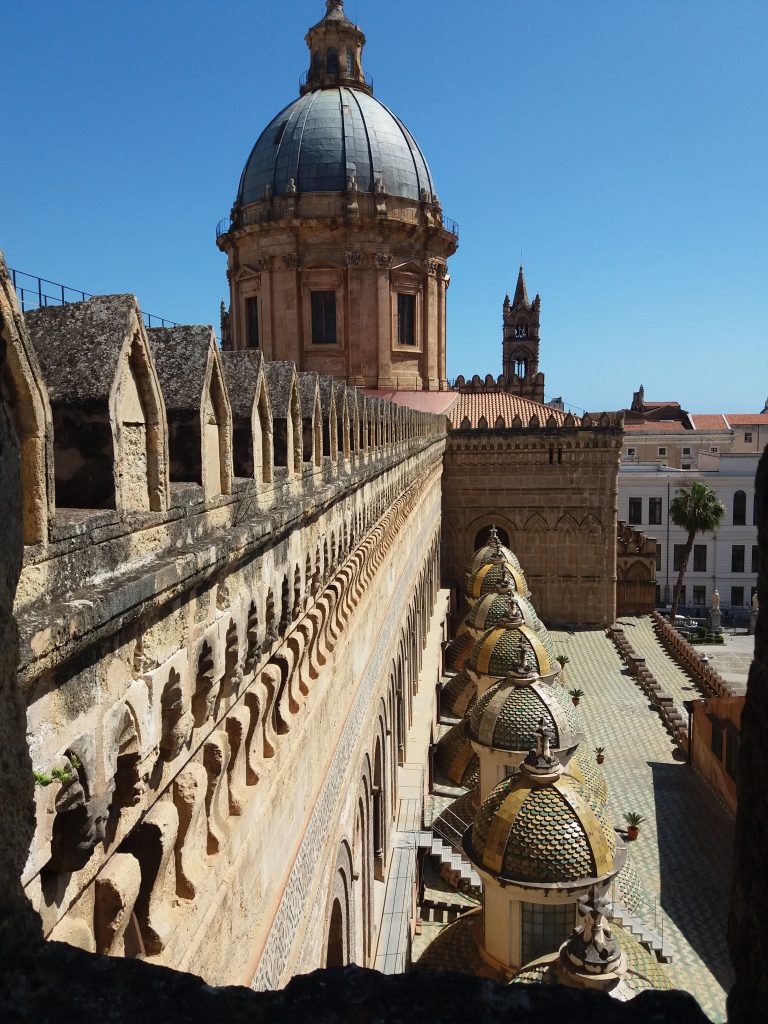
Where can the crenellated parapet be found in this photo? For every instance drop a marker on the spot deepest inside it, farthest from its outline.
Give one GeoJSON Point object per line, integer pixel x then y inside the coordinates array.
{"type": "Point", "coordinates": [112, 416]}
{"type": "Point", "coordinates": [210, 539]}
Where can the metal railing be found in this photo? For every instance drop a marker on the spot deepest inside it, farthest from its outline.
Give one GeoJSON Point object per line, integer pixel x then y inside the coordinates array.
{"type": "Point", "coordinates": [223, 226]}
{"type": "Point", "coordinates": [38, 292]}
{"type": "Point", "coordinates": [451, 226]}
{"type": "Point", "coordinates": [339, 76]}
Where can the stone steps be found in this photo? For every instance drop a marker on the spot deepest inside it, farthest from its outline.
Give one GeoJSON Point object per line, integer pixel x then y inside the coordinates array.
{"type": "Point", "coordinates": [647, 937]}
{"type": "Point", "coordinates": [454, 861]}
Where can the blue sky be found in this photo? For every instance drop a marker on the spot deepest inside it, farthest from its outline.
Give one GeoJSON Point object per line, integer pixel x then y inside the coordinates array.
{"type": "Point", "coordinates": [622, 146]}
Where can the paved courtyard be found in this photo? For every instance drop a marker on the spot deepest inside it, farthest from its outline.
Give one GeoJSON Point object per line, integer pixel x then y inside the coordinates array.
{"type": "Point", "coordinates": [683, 855]}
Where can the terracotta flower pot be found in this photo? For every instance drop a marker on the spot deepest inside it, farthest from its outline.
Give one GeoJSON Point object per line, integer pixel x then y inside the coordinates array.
{"type": "Point", "coordinates": [599, 758]}
{"type": "Point", "coordinates": [632, 833]}
{"type": "Point", "coordinates": [575, 701]}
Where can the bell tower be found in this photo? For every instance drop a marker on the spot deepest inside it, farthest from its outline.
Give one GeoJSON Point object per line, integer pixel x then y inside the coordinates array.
{"type": "Point", "coordinates": [521, 343]}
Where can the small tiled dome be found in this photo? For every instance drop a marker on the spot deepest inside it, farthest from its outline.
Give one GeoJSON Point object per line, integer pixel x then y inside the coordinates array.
{"type": "Point", "coordinates": [496, 578]}
{"type": "Point", "coordinates": [642, 970]}
{"type": "Point", "coordinates": [458, 695]}
{"type": "Point", "coordinates": [525, 832]}
{"type": "Point", "coordinates": [455, 757]}
{"type": "Point", "coordinates": [506, 717]}
{"type": "Point", "coordinates": [502, 609]}
{"type": "Point", "coordinates": [583, 768]}
{"type": "Point", "coordinates": [493, 551]}
{"type": "Point", "coordinates": [501, 651]}
{"type": "Point", "coordinates": [459, 649]}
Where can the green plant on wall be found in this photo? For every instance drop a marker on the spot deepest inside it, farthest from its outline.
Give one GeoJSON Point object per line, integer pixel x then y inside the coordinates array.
{"type": "Point", "coordinates": [57, 774]}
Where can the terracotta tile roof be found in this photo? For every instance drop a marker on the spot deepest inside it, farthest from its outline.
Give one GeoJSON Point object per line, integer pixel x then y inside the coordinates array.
{"type": "Point", "coordinates": [709, 421]}
{"type": "Point", "coordinates": [420, 401]}
{"type": "Point", "coordinates": [747, 418]}
{"type": "Point", "coordinates": [656, 427]}
{"type": "Point", "coordinates": [493, 404]}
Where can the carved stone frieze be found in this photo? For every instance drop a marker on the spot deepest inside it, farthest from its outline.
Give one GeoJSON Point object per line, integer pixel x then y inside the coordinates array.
{"type": "Point", "coordinates": [383, 260]}
{"type": "Point", "coordinates": [290, 262]}
{"type": "Point", "coordinates": [355, 259]}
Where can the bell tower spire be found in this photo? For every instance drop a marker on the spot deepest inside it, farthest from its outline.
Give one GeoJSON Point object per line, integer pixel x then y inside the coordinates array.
{"type": "Point", "coordinates": [335, 53]}
{"type": "Point", "coordinates": [521, 342]}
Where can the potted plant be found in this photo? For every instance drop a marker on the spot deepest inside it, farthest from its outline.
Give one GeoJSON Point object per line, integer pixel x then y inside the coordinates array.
{"type": "Point", "coordinates": [599, 754]}
{"type": "Point", "coordinates": [576, 696]}
{"type": "Point", "coordinates": [562, 660]}
{"type": "Point", "coordinates": [634, 821]}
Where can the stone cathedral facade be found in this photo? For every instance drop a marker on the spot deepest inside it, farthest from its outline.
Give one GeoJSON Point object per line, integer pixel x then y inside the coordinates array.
{"type": "Point", "coordinates": [231, 590]}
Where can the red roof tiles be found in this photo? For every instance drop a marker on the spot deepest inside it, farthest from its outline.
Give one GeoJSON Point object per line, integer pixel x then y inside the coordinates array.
{"type": "Point", "coordinates": [494, 404]}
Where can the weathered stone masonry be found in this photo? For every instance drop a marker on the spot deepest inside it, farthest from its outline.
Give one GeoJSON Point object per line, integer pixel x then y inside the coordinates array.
{"type": "Point", "coordinates": [213, 669]}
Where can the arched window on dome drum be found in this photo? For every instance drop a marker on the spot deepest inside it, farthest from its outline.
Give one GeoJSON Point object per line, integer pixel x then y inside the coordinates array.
{"type": "Point", "coordinates": [332, 61]}
{"type": "Point", "coordinates": [481, 537]}
{"type": "Point", "coordinates": [740, 508]}
{"type": "Point", "coordinates": [350, 64]}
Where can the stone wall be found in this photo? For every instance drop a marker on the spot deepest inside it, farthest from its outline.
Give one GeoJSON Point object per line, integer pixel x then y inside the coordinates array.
{"type": "Point", "coordinates": [747, 936]}
{"type": "Point", "coordinates": [553, 491]}
{"type": "Point", "coordinates": [217, 687]}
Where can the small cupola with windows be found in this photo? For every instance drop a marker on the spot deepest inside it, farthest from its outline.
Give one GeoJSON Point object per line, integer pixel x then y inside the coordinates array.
{"type": "Point", "coordinates": [335, 52]}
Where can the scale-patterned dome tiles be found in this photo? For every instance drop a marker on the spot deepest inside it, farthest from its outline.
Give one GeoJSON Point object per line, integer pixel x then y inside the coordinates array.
{"type": "Point", "coordinates": [643, 971]}
{"type": "Point", "coordinates": [459, 649]}
{"type": "Point", "coordinates": [545, 834]}
{"type": "Point", "coordinates": [454, 754]}
{"type": "Point", "coordinates": [584, 769]}
{"type": "Point", "coordinates": [499, 651]}
{"type": "Point", "coordinates": [493, 609]}
{"type": "Point", "coordinates": [506, 717]}
{"type": "Point", "coordinates": [630, 890]}
{"type": "Point", "coordinates": [489, 553]}
{"type": "Point", "coordinates": [458, 695]}
{"type": "Point", "coordinates": [496, 579]}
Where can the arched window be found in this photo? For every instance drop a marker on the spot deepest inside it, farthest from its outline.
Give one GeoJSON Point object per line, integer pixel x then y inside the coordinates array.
{"type": "Point", "coordinates": [739, 509]}
{"type": "Point", "coordinates": [332, 61]}
{"type": "Point", "coordinates": [350, 64]}
{"type": "Point", "coordinates": [521, 366]}
{"type": "Point", "coordinates": [335, 952]}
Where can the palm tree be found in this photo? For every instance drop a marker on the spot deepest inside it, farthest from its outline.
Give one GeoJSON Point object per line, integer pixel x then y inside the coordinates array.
{"type": "Point", "coordinates": [697, 509]}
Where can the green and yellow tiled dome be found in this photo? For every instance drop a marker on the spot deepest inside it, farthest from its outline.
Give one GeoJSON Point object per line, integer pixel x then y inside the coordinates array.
{"type": "Point", "coordinates": [459, 649]}
{"type": "Point", "coordinates": [527, 832]}
{"type": "Point", "coordinates": [496, 578]}
{"type": "Point", "coordinates": [584, 769]}
{"type": "Point", "coordinates": [455, 758]}
{"type": "Point", "coordinates": [642, 971]}
{"type": "Point", "coordinates": [499, 651]}
{"type": "Point", "coordinates": [506, 717]}
{"type": "Point", "coordinates": [492, 551]}
{"type": "Point", "coordinates": [458, 695]}
{"type": "Point", "coordinates": [496, 609]}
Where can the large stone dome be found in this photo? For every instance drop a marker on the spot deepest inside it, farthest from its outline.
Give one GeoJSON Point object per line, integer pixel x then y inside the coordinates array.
{"type": "Point", "coordinates": [328, 137]}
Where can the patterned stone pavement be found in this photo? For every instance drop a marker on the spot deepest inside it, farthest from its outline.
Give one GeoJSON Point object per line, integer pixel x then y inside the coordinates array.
{"type": "Point", "coordinates": [639, 632]}
{"type": "Point", "coordinates": [683, 855]}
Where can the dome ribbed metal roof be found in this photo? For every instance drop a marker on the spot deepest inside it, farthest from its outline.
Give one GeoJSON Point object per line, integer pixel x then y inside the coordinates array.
{"type": "Point", "coordinates": [328, 135]}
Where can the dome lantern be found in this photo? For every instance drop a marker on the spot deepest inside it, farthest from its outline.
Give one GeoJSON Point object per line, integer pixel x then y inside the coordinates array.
{"type": "Point", "coordinates": [335, 53]}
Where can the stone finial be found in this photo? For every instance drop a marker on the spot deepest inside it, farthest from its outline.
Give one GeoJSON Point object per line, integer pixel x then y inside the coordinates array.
{"type": "Point", "coordinates": [512, 617]}
{"type": "Point", "coordinates": [541, 763]}
{"type": "Point", "coordinates": [592, 948]}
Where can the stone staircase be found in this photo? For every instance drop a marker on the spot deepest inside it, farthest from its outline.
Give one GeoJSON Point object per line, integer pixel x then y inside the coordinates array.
{"type": "Point", "coordinates": [454, 863]}
{"type": "Point", "coordinates": [652, 940]}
